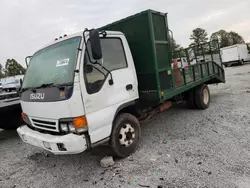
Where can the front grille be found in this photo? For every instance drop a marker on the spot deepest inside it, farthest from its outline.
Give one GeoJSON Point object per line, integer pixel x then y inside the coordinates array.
{"type": "Point", "coordinates": [44, 126]}
{"type": "Point", "coordinates": [49, 125]}
{"type": "Point", "coordinates": [44, 122]}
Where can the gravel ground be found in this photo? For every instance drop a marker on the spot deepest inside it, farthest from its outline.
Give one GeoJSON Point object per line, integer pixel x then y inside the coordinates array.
{"type": "Point", "coordinates": [179, 148]}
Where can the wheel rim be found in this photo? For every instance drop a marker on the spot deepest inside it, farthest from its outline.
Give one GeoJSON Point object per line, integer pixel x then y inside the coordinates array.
{"type": "Point", "coordinates": [127, 135]}
{"type": "Point", "coordinates": [205, 96]}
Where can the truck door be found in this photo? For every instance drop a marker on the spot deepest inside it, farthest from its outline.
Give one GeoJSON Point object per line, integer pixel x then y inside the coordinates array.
{"type": "Point", "coordinates": [102, 98]}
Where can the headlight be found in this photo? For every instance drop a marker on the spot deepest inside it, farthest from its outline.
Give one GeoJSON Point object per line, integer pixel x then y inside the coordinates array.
{"type": "Point", "coordinates": [64, 127]}
{"type": "Point", "coordinates": [74, 125]}
{"type": "Point", "coordinates": [71, 127]}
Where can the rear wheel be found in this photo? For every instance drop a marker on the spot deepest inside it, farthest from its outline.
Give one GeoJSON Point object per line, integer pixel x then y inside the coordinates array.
{"type": "Point", "coordinates": [202, 97]}
{"type": "Point", "coordinates": [125, 135]}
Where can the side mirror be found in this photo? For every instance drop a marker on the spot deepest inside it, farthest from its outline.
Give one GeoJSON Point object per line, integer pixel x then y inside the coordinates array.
{"type": "Point", "coordinates": [95, 44]}
{"type": "Point", "coordinates": [27, 60]}
{"type": "Point", "coordinates": [88, 69]}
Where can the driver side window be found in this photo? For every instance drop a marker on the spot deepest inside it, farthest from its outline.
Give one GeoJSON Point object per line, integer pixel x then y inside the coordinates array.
{"type": "Point", "coordinates": [113, 59]}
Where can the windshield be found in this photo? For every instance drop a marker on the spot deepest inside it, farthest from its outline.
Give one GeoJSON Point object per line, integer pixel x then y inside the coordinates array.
{"type": "Point", "coordinates": [54, 64]}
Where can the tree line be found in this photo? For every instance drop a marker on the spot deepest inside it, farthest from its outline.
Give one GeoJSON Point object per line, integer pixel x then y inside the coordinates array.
{"type": "Point", "coordinates": [200, 35]}
{"type": "Point", "coordinates": [11, 68]}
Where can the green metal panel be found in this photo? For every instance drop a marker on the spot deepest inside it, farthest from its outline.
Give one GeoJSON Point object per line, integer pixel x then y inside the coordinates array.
{"type": "Point", "coordinates": [162, 58]}
{"type": "Point", "coordinates": [152, 39]}
{"type": "Point", "coordinates": [161, 40]}
{"type": "Point", "coordinates": [159, 26]}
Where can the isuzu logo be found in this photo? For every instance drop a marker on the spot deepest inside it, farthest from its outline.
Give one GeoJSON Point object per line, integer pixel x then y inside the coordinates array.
{"type": "Point", "coordinates": [37, 96]}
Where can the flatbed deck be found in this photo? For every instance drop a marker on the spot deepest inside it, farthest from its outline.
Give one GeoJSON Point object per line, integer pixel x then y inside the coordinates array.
{"type": "Point", "coordinates": [194, 75]}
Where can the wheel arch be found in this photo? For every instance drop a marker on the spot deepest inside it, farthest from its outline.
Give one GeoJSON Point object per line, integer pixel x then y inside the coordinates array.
{"type": "Point", "coordinates": [128, 107]}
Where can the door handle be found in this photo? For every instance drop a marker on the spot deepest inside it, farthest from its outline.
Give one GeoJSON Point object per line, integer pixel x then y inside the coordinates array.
{"type": "Point", "coordinates": [129, 87]}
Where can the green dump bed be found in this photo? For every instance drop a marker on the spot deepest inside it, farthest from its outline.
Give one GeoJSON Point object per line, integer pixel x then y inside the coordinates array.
{"type": "Point", "coordinates": [148, 37]}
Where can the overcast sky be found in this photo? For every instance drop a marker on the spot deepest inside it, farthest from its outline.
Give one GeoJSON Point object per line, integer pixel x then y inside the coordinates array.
{"type": "Point", "coordinates": [27, 25]}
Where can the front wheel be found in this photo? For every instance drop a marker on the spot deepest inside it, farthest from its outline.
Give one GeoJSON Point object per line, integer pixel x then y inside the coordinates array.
{"type": "Point", "coordinates": [125, 135]}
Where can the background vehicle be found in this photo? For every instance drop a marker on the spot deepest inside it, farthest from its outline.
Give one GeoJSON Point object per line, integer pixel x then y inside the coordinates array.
{"type": "Point", "coordinates": [10, 107]}
{"type": "Point", "coordinates": [99, 85]}
{"type": "Point", "coordinates": [10, 110]}
{"type": "Point", "coordinates": [12, 83]}
{"type": "Point", "coordinates": [236, 54]}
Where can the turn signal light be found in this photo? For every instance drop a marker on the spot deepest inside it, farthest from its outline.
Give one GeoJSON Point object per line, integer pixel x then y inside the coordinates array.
{"type": "Point", "coordinates": [22, 115]}
{"type": "Point", "coordinates": [80, 122]}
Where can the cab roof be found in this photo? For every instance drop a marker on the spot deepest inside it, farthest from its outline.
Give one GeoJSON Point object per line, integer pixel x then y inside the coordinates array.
{"type": "Point", "coordinates": [78, 34]}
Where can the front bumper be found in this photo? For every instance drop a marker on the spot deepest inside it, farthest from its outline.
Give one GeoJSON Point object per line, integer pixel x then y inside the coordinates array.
{"type": "Point", "coordinates": [59, 145]}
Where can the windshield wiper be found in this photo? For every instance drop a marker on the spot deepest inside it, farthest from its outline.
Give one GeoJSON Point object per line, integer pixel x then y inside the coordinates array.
{"type": "Point", "coordinates": [45, 85]}
{"type": "Point", "coordinates": [54, 85]}
{"type": "Point", "coordinates": [48, 85]}
{"type": "Point", "coordinates": [26, 88]}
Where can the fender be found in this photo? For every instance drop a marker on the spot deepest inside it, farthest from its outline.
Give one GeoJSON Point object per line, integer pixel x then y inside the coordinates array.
{"type": "Point", "coordinates": [121, 107]}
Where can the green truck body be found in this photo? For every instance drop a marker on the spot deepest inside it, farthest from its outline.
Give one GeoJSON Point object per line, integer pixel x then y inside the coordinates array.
{"type": "Point", "coordinates": [150, 43]}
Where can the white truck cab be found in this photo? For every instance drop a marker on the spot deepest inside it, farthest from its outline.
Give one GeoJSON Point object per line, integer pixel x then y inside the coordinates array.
{"type": "Point", "coordinates": [70, 100]}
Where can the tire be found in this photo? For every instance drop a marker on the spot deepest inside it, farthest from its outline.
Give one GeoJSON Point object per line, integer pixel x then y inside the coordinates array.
{"type": "Point", "coordinates": [125, 123]}
{"type": "Point", "coordinates": [202, 97]}
{"type": "Point", "coordinates": [242, 62]}
{"type": "Point", "coordinates": [190, 99]}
